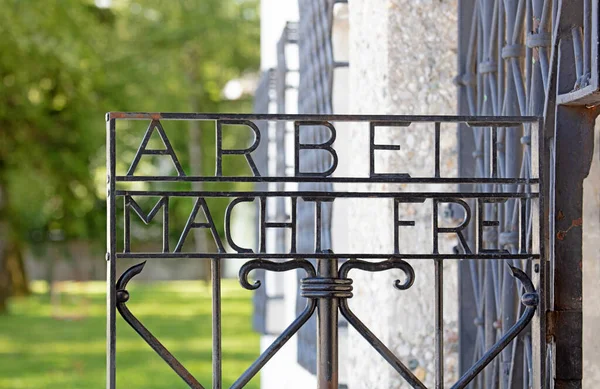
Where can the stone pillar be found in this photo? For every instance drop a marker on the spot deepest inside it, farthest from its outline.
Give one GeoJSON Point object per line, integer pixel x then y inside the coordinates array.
{"type": "Point", "coordinates": [591, 271]}
{"type": "Point", "coordinates": [402, 58]}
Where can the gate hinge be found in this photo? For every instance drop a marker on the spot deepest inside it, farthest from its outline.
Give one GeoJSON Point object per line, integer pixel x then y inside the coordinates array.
{"type": "Point", "coordinates": [563, 324]}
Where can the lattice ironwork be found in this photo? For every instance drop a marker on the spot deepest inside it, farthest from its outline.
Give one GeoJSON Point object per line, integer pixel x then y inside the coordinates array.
{"type": "Point", "coordinates": [522, 58]}
{"type": "Point", "coordinates": [314, 97]}
{"type": "Point", "coordinates": [275, 162]}
{"type": "Point", "coordinates": [325, 286]}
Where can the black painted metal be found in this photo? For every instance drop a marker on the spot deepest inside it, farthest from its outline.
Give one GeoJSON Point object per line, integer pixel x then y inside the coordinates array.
{"type": "Point", "coordinates": [325, 286]}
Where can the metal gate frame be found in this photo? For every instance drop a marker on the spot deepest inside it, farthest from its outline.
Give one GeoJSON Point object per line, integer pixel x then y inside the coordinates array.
{"type": "Point", "coordinates": [326, 286]}
{"type": "Point", "coordinates": [535, 57]}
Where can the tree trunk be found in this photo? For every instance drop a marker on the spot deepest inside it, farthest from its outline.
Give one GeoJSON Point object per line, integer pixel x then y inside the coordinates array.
{"type": "Point", "coordinates": [4, 230]}
{"type": "Point", "coordinates": [4, 278]}
{"type": "Point", "coordinates": [15, 265]}
{"type": "Point", "coordinates": [13, 278]}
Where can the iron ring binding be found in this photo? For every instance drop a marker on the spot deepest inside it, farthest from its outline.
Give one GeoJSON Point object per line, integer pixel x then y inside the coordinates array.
{"type": "Point", "coordinates": [319, 287]}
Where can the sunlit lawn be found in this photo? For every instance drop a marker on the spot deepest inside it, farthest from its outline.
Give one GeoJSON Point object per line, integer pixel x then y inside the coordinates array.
{"type": "Point", "coordinates": [62, 345]}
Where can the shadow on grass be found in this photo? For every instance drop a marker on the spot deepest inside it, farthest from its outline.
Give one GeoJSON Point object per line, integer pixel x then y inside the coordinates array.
{"type": "Point", "coordinates": [64, 347]}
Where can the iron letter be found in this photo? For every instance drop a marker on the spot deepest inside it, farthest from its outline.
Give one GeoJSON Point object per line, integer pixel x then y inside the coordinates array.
{"type": "Point", "coordinates": [298, 146]}
{"type": "Point", "coordinates": [245, 152]}
{"type": "Point", "coordinates": [191, 223]}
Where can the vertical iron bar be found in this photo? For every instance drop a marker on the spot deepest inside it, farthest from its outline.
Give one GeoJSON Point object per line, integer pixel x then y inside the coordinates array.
{"type": "Point", "coordinates": [111, 271]}
{"type": "Point", "coordinates": [215, 271]}
{"type": "Point", "coordinates": [528, 55]}
{"type": "Point", "coordinates": [489, 318]}
{"type": "Point", "coordinates": [127, 224]}
{"type": "Point", "coordinates": [165, 224]}
{"type": "Point", "coordinates": [327, 330]}
{"type": "Point", "coordinates": [587, 34]}
{"type": "Point", "coordinates": [543, 210]}
{"type": "Point", "coordinates": [468, 299]}
{"type": "Point", "coordinates": [435, 227]}
{"type": "Point", "coordinates": [494, 152]}
{"type": "Point", "coordinates": [523, 226]}
{"type": "Point", "coordinates": [437, 149]}
{"type": "Point", "coordinates": [578, 51]}
{"type": "Point", "coordinates": [439, 323]}
{"type": "Point", "coordinates": [540, 84]}
{"type": "Point", "coordinates": [327, 318]}
{"type": "Point", "coordinates": [318, 225]}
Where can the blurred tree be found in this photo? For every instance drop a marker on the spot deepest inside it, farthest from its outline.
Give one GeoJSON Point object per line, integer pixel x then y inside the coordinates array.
{"type": "Point", "coordinates": [63, 64]}
{"type": "Point", "coordinates": [202, 45]}
{"type": "Point", "coordinates": [49, 90]}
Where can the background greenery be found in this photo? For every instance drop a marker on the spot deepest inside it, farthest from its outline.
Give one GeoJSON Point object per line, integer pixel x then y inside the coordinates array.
{"type": "Point", "coordinates": [63, 65]}
{"type": "Point", "coordinates": [45, 348]}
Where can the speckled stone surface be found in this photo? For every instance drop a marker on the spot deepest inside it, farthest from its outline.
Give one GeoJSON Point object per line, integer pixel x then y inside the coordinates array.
{"type": "Point", "coordinates": [402, 61]}
{"type": "Point", "coordinates": [591, 271]}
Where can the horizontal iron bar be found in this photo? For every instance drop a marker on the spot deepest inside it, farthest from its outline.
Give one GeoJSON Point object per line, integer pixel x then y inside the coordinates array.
{"type": "Point", "coordinates": [314, 194]}
{"type": "Point", "coordinates": [379, 178]}
{"type": "Point", "coordinates": [487, 256]}
{"type": "Point", "coordinates": [473, 120]}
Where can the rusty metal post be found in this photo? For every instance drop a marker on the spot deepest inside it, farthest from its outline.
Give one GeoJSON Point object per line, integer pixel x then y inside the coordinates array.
{"type": "Point", "coordinates": [573, 139]}
{"type": "Point", "coordinates": [569, 126]}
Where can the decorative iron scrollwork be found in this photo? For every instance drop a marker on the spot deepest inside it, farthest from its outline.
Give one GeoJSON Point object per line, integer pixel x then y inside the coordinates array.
{"type": "Point", "coordinates": [271, 266]}
{"type": "Point", "coordinates": [282, 339]}
{"type": "Point", "coordinates": [392, 263]}
{"type": "Point", "coordinates": [122, 298]}
{"type": "Point", "coordinates": [314, 288]}
{"type": "Point", "coordinates": [531, 300]}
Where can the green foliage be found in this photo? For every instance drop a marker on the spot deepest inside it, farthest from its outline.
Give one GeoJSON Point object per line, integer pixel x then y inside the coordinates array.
{"type": "Point", "coordinates": [64, 346]}
{"type": "Point", "coordinates": [63, 64]}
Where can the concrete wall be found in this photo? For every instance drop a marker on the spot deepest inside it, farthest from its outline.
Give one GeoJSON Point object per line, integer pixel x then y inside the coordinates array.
{"type": "Point", "coordinates": [402, 61]}
{"type": "Point", "coordinates": [591, 271]}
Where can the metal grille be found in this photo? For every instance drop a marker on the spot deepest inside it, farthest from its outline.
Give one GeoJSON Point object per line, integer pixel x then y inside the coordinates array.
{"type": "Point", "coordinates": [316, 56]}
{"type": "Point", "coordinates": [314, 97]}
{"type": "Point", "coordinates": [275, 159]}
{"type": "Point", "coordinates": [288, 37]}
{"type": "Point", "coordinates": [326, 285]}
{"type": "Point", "coordinates": [521, 58]}
{"type": "Point", "coordinates": [497, 78]}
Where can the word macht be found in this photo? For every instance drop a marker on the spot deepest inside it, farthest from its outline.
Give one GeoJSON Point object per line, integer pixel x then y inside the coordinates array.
{"type": "Point", "coordinates": [483, 223]}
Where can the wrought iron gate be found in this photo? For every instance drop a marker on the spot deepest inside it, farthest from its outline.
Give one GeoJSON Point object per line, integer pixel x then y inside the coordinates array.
{"type": "Point", "coordinates": [516, 58]}
{"type": "Point", "coordinates": [327, 286]}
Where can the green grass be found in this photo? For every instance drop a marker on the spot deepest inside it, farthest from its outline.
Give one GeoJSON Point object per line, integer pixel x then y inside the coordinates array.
{"type": "Point", "coordinates": [62, 345]}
